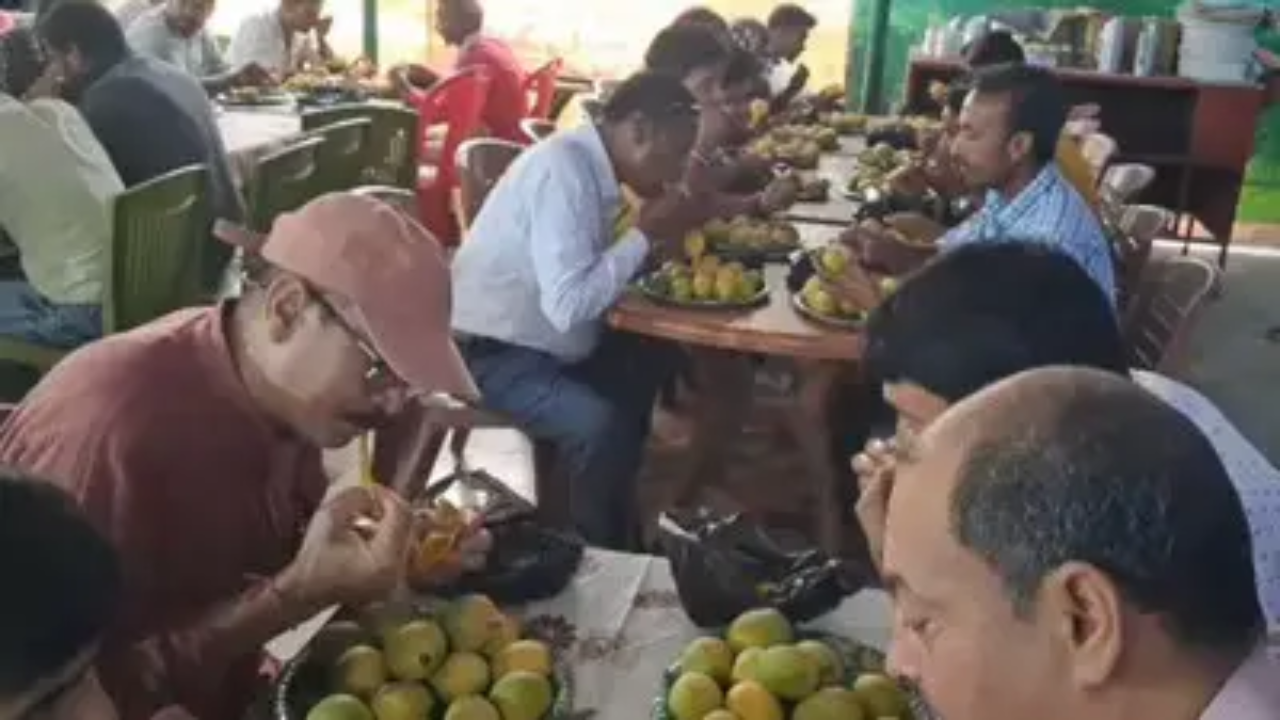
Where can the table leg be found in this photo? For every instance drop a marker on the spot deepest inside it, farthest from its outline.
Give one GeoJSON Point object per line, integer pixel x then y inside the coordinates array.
{"type": "Point", "coordinates": [809, 425]}
{"type": "Point", "coordinates": [724, 381]}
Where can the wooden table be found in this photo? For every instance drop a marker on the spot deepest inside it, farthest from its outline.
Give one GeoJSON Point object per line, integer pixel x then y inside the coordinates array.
{"type": "Point", "coordinates": [722, 345]}
{"type": "Point", "coordinates": [836, 168]}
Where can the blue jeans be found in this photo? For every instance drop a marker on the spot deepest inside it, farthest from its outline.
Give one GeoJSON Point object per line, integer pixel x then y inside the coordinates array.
{"type": "Point", "coordinates": [27, 315]}
{"type": "Point", "coordinates": [596, 413]}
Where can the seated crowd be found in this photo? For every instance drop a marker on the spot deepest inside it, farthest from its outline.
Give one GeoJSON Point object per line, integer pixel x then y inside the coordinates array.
{"type": "Point", "coordinates": [1062, 537]}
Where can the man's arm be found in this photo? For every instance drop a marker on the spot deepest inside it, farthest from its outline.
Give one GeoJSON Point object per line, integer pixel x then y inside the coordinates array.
{"type": "Point", "coordinates": [215, 74]}
{"type": "Point", "coordinates": [191, 664]}
{"type": "Point", "coordinates": [253, 43]}
{"type": "Point", "coordinates": [579, 279]}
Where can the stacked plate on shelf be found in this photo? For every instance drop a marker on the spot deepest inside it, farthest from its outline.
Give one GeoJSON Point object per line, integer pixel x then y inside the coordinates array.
{"type": "Point", "coordinates": [1217, 40]}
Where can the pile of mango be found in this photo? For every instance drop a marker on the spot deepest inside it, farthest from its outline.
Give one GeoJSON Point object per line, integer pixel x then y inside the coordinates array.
{"type": "Point", "coordinates": [748, 234]}
{"type": "Point", "coordinates": [759, 671]}
{"type": "Point", "coordinates": [706, 279]}
{"type": "Point", "coordinates": [466, 662]}
{"type": "Point", "coordinates": [799, 146]}
{"type": "Point", "coordinates": [845, 123]}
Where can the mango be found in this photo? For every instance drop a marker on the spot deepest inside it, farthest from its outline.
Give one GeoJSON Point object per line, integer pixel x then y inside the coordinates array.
{"type": "Point", "coordinates": [340, 707]}
{"type": "Point", "coordinates": [693, 696]}
{"type": "Point", "coordinates": [761, 628]}
{"type": "Point", "coordinates": [522, 696]}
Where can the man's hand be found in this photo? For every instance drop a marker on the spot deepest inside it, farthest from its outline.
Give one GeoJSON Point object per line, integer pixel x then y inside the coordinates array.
{"type": "Point", "coordinates": [916, 227]}
{"type": "Point", "coordinates": [468, 551]}
{"type": "Point", "coordinates": [252, 75]}
{"type": "Point", "coordinates": [665, 220]}
{"type": "Point", "coordinates": [854, 286]}
{"type": "Point", "coordinates": [780, 194]}
{"type": "Point", "coordinates": [354, 550]}
{"type": "Point", "coordinates": [874, 467]}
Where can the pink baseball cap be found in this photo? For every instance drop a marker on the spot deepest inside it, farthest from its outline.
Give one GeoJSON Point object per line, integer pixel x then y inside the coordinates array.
{"type": "Point", "coordinates": [388, 267]}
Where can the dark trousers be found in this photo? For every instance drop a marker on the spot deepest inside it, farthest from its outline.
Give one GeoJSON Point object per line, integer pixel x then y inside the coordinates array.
{"type": "Point", "coordinates": [596, 413]}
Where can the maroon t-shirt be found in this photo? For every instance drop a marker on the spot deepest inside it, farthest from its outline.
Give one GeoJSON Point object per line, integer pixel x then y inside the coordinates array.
{"type": "Point", "coordinates": [507, 103]}
{"type": "Point", "coordinates": [153, 432]}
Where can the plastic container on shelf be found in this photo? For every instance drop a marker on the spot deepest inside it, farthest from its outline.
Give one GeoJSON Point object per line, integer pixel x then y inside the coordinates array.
{"type": "Point", "coordinates": [1217, 43]}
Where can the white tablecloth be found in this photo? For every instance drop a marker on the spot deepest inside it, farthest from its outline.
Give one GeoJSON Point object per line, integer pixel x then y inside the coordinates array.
{"type": "Point", "coordinates": [248, 135]}
{"type": "Point", "coordinates": [628, 627]}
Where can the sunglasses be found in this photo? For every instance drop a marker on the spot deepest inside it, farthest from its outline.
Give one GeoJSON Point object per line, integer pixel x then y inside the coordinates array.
{"type": "Point", "coordinates": [378, 375]}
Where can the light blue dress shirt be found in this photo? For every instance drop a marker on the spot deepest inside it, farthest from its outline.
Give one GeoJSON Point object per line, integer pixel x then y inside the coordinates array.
{"type": "Point", "coordinates": [1048, 211]}
{"type": "Point", "coordinates": [539, 267]}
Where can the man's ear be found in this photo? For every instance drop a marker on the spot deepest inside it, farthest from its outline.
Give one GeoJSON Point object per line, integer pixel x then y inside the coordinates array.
{"type": "Point", "coordinates": [284, 302]}
{"type": "Point", "coordinates": [1021, 146]}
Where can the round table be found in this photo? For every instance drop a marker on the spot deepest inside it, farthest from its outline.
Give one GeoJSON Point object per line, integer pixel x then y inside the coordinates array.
{"type": "Point", "coordinates": [723, 344]}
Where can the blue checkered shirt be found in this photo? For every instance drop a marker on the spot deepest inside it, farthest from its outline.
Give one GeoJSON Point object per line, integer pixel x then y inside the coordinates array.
{"type": "Point", "coordinates": [1048, 211]}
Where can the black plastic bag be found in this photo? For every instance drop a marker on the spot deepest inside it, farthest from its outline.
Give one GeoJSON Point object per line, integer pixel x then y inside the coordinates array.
{"type": "Point", "coordinates": [724, 566]}
{"type": "Point", "coordinates": [529, 560]}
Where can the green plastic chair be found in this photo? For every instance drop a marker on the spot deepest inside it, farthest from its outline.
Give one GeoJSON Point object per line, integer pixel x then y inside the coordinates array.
{"type": "Point", "coordinates": [344, 154]}
{"type": "Point", "coordinates": [283, 181]}
{"type": "Point", "coordinates": [160, 236]}
{"type": "Point", "coordinates": [404, 200]}
{"type": "Point", "coordinates": [160, 243]}
{"type": "Point", "coordinates": [393, 150]}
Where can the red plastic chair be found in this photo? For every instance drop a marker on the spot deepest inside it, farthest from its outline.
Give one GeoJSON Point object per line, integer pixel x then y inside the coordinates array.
{"type": "Point", "coordinates": [456, 103]}
{"type": "Point", "coordinates": [541, 83]}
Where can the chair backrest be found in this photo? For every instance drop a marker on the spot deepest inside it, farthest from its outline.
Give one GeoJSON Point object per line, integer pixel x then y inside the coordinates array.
{"type": "Point", "coordinates": [1122, 184]}
{"type": "Point", "coordinates": [1098, 149]}
{"type": "Point", "coordinates": [481, 163]}
{"type": "Point", "coordinates": [1165, 306]}
{"type": "Point", "coordinates": [457, 102]}
{"type": "Point", "coordinates": [159, 242]}
{"type": "Point", "coordinates": [284, 180]}
{"type": "Point", "coordinates": [1133, 233]}
{"type": "Point", "coordinates": [404, 200]}
{"type": "Point", "coordinates": [393, 139]}
{"type": "Point", "coordinates": [541, 84]}
{"type": "Point", "coordinates": [536, 129]}
{"type": "Point", "coordinates": [343, 157]}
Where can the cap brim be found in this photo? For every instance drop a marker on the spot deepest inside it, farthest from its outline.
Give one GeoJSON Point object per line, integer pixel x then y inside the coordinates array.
{"type": "Point", "coordinates": [426, 359]}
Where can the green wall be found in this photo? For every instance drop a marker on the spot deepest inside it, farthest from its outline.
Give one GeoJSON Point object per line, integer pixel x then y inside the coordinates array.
{"type": "Point", "coordinates": [908, 20]}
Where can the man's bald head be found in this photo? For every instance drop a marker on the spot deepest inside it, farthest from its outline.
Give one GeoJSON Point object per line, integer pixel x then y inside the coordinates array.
{"type": "Point", "coordinates": [456, 20]}
{"type": "Point", "coordinates": [1063, 465]}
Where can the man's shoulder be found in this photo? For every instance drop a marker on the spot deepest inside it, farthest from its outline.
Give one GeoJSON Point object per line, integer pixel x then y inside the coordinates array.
{"type": "Point", "coordinates": [565, 157]}
{"type": "Point", "coordinates": [115, 396]}
{"type": "Point", "coordinates": [257, 21]}
{"type": "Point", "coordinates": [138, 364]}
{"type": "Point", "coordinates": [148, 26]}
{"type": "Point", "coordinates": [491, 51]}
{"type": "Point", "coordinates": [145, 77]}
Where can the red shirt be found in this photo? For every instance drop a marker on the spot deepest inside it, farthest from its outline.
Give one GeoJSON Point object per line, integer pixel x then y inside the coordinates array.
{"type": "Point", "coordinates": [154, 434]}
{"type": "Point", "coordinates": [507, 103]}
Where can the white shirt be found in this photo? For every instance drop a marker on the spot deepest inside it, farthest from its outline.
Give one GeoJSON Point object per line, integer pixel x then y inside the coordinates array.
{"type": "Point", "coordinates": [261, 39]}
{"type": "Point", "coordinates": [779, 75]}
{"type": "Point", "coordinates": [57, 186]}
{"type": "Point", "coordinates": [540, 267]}
{"type": "Point", "coordinates": [130, 10]}
{"type": "Point", "coordinates": [197, 55]}
{"type": "Point", "coordinates": [1256, 481]}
